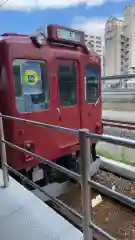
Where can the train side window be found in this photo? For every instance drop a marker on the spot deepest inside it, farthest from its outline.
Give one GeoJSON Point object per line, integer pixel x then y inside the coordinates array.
{"type": "Point", "coordinates": [91, 81]}
{"type": "Point", "coordinates": [17, 82]}
{"type": "Point", "coordinates": [31, 85]}
{"type": "Point", "coordinates": [67, 82]}
{"type": "Point", "coordinates": [0, 68]}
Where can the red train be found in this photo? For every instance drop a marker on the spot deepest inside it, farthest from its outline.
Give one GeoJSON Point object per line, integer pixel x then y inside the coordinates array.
{"type": "Point", "coordinates": [52, 79]}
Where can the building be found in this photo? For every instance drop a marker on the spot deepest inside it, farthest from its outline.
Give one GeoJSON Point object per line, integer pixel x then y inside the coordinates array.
{"type": "Point", "coordinates": [119, 54]}
{"type": "Point", "coordinates": [95, 44]}
{"type": "Point", "coordinates": [114, 51]}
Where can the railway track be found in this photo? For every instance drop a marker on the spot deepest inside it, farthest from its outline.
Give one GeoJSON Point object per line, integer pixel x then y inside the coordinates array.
{"type": "Point", "coordinates": [114, 217]}
{"type": "Point", "coordinates": [119, 124]}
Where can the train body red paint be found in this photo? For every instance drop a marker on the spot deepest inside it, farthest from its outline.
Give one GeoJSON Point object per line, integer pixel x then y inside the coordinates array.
{"type": "Point", "coordinates": [58, 83]}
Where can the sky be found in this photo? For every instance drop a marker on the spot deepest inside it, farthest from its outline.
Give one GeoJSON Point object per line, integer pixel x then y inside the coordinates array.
{"type": "Point", "coordinates": [25, 16]}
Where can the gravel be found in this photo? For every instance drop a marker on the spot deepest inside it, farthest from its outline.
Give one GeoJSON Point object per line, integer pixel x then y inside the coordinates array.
{"type": "Point", "coordinates": [114, 218]}
{"type": "Point", "coordinates": [116, 183]}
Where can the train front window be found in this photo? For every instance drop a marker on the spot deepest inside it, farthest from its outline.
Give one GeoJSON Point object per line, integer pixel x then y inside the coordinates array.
{"type": "Point", "coordinates": [67, 82]}
{"type": "Point", "coordinates": [31, 85]}
{"type": "Point", "coordinates": [91, 81]}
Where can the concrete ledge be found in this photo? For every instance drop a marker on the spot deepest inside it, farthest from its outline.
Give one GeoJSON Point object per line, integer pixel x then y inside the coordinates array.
{"type": "Point", "coordinates": [115, 167]}
{"type": "Point", "coordinates": [23, 216]}
{"type": "Point", "coordinates": [127, 116]}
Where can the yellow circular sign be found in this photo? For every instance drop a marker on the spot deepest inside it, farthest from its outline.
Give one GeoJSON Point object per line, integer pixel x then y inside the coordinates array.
{"type": "Point", "coordinates": [30, 77]}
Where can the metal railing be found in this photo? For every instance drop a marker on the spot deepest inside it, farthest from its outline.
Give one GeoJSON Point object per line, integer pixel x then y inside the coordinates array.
{"type": "Point", "coordinates": [117, 91]}
{"type": "Point", "coordinates": [118, 83]}
{"type": "Point", "coordinates": [120, 76]}
{"type": "Point", "coordinates": [84, 179]}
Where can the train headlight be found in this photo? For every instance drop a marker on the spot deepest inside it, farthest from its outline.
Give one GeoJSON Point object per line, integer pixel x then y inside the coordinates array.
{"type": "Point", "coordinates": [28, 146]}
{"type": "Point", "coordinates": [40, 39]}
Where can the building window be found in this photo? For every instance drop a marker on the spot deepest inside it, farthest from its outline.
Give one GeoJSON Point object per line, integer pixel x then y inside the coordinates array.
{"type": "Point", "coordinates": [67, 82]}
{"type": "Point", "coordinates": [31, 85]}
{"type": "Point", "coordinates": [98, 51]}
{"type": "Point", "coordinates": [98, 42]}
{"type": "Point", "coordinates": [98, 38]}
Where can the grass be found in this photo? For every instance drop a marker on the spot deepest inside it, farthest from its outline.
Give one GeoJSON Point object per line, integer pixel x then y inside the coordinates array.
{"type": "Point", "coordinates": [119, 158]}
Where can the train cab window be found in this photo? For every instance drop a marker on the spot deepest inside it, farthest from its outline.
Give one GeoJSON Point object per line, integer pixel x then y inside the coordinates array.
{"type": "Point", "coordinates": [91, 81]}
{"type": "Point", "coordinates": [67, 82]}
{"type": "Point", "coordinates": [1, 65]}
{"type": "Point", "coordinates": [31, 85]}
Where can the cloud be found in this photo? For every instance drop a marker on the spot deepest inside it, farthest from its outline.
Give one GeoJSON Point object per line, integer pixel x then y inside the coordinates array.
{"type": "Point", "coordinates": [95, 26]}
{"type": "Point", "coordinates": [26, 5]}
{"type": "Point", "coordinates": [90, 25]}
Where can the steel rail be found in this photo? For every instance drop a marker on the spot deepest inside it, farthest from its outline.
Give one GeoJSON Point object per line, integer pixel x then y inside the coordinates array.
{"type": "Point", "coordinates": [117, 121]}
{"type": "Point", "coordinates": [123, 126]}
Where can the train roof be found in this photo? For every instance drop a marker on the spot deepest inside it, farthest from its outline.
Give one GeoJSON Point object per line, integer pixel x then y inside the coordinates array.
{"type": "Point", "coordinates": [12, 37]}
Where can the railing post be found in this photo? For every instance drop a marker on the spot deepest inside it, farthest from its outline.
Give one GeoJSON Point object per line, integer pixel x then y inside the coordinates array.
{"type": "Point", "coordinates": [85, 187]}
{"type": "Point", "coordinates": [3, 155]}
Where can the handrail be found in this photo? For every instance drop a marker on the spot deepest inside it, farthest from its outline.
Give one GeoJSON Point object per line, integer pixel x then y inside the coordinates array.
{"type": "Point", "coordinates": [41, 124]}
{"type": "Point", "coordinates": [83, 179]}
{"type": "Point", "coordinates": [112, 139]}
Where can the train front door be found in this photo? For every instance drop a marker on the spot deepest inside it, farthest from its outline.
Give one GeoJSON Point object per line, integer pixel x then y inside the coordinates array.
{"type": "Point", "coordinates": [68, 101]}
{"type": "Point", "coordinates": [91, 107]}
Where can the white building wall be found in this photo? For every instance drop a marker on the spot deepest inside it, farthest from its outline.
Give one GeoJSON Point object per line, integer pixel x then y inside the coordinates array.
{"type": "Point", "coordinates": [129, 20]}
{"type": "Point", "coordinates": [113, 47]}
{"type": "Point", "coordinates": [97, 46]}
{"type": "Point", "coordinates": [120, 43]}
